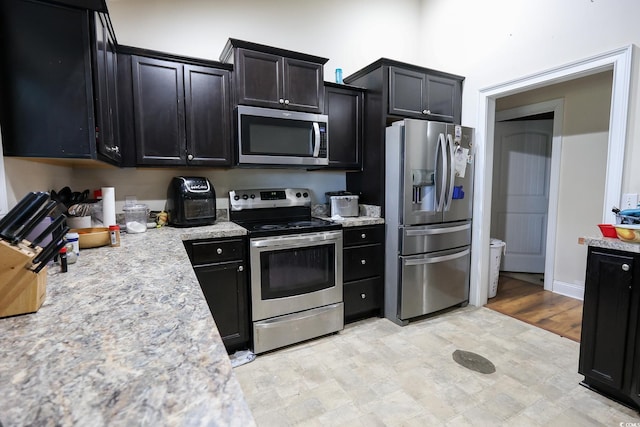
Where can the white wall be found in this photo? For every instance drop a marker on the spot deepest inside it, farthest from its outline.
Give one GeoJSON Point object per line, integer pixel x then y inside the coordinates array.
{"type": "Point", "coordinates": [582, 170]}
{"type": "Point", "coordinates": [350, 33]}
{"type": "Point", "coordinates": [495, 41]}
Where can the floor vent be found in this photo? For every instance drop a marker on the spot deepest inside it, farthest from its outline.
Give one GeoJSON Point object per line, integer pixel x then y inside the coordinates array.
{"type": "Point", "coordinates": [473, 361]}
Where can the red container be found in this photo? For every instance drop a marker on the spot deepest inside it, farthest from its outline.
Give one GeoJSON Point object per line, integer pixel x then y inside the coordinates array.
{"type": "Point", "coordinates": [608, 230]}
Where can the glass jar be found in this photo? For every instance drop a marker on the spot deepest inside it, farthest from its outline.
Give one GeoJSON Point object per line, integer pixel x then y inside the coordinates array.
{"type": "Point", "coordinates": [135, 218]}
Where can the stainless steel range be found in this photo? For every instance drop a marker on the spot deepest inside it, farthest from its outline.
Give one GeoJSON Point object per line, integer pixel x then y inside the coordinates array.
{"type": "Point", "coordinates": [295, 265]}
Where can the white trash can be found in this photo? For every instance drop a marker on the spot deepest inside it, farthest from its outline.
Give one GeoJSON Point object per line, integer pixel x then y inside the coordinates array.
{"type": "Point", "coordinates": [498, 247]}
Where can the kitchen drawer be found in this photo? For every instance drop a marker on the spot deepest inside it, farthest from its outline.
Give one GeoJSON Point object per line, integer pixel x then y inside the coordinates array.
{"type": "Point", "coordinates": [363, 235]}
{"type": "Point", "coordinates": [213, 251]}
{"type": "Point", "coordinates": [362, 262]}
{"type": "Point", "coordinates": [362, 297]}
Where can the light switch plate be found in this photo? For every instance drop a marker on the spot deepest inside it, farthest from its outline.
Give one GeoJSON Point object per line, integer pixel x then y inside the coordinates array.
{"type": "Point", "coordinates": [629, 201]}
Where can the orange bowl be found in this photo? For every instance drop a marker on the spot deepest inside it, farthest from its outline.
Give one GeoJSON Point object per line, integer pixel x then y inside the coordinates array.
{"type": "Point", "coordinates": [608, 230]}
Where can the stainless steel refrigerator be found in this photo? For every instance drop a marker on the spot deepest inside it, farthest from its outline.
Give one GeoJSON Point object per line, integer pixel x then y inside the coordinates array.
{"type": "Point", "coordinates": [428, 206]}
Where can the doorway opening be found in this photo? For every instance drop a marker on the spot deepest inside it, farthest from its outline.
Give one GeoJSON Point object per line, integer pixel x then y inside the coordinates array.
{"type": "Point", "coordinates": [619, 61]}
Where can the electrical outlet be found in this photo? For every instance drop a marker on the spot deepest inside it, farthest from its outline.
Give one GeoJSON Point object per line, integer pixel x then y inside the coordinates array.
{"type": "Point", "coordinates": [629, 201]}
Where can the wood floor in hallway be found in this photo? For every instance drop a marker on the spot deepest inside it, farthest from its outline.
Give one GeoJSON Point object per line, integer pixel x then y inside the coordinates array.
{"type": "Point", "coordinates": [532, 304]}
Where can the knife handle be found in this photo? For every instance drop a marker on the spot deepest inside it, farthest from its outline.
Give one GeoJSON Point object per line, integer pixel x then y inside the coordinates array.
{"type": "Point", "coordinates": [33, 222]}
{"type": "Point", "coordinates": [47, 231]}
{"type": "Point", "coordinates": [55, 242]}
{"type": "Point", "coordinates": [28, 198]}
{"type": "Point", "coordinates": [51, 252]}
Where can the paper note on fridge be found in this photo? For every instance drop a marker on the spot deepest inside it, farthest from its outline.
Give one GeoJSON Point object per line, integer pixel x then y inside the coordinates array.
{"type": "Point", "coordinates": [460, 161]}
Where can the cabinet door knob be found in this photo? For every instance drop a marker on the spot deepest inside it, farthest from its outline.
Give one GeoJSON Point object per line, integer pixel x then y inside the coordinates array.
{"type": "Point", "coordinates": [190, 157]}
{"type": "Point", "coordinates": [219, 251]}
{"type": "Point", "coordinates": [286, 102]}
{"type": "Point", "coordinates": [281, 101]}
{"type": "Point", "coordinates": [363, 261]}
{"type": "Point", "coordinates": [363, 236]}
{"type": "Point", "coordinates": [240, 268]}
{"type": "Point", "coordinates": [363, 296]}
{"type": "Point", "coordinates": [625, 267]}
{"type": "Point", "coordinates": [425, 111]}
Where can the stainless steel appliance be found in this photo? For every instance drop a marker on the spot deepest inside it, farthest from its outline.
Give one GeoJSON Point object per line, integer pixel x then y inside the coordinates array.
{"type": "Point", "coordinates": [276, 137]}
{"type": "Point", "coordinates": [343, 203]}
{"type": "Point", "coordinates": [428, 207]}
{"type": "Point", "coordinates": [295, 266]}
{"type": "Point", "coordinates": [191, 201]}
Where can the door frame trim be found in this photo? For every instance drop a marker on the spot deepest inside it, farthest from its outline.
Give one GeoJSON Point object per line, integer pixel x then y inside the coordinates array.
{"type": "Point", "coordinates": [557, 107]}
{"type": "Point", "coordinates": [620, 61]}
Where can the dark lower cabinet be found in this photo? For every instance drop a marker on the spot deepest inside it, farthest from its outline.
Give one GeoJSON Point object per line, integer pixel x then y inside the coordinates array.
{"type": "Point", "coordinates": [363, 271]}
{"type": "Point", "coordinates": [609, 357]}
{"type": "Point", "coordinates": [219, 265]}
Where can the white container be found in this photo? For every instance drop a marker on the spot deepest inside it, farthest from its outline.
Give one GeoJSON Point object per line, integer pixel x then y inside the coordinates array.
{"type": "Point", "coordinates": [498, 247]}
{"type": "Point", "coordinates": [79, 221]}
{"type": "Point", "coordinates": [74, 239]}
{"type": "Point", "coordinates": [135, 218]}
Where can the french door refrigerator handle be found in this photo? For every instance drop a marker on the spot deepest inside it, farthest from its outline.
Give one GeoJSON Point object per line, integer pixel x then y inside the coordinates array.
{"type": "Point", "coordinates": [452, 174]}
{"type": "Point", "coordinates": [439, 230]}
{"type": "Point", "coordinates": [316, 142]}
{"type": "Point", "coordinates": [443, 148]}
{"type": "Point", "coordinates": [436, 259]}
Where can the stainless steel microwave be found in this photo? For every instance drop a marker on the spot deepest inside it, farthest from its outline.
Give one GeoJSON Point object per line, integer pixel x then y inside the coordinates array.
{"type": "Point", "coordinates": [278, 137]}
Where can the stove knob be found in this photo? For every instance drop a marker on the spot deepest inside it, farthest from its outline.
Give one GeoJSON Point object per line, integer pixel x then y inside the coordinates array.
{"type": "Point", "coordinates": [305, 194]}
{"type": "Point", "coordinates": [236, 197]}
{"type": "Point", "coordinates": [253, 196]}
{"type": "Point", "coordinates": [245, 197]}
{"type": "Point", "coordinates": [298, 195]}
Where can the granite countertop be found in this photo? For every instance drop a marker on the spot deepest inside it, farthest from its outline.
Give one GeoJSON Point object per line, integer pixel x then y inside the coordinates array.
{"type": "Point", "coordinates": [610, 243]}
{"type": "Point", "coordinates": [368, 215]}
{"type": "Point", "coordinates": [125, 337]}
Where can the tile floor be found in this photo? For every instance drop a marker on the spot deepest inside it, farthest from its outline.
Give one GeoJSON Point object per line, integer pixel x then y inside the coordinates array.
{"type": "Point", "coordinates": [375, 373]}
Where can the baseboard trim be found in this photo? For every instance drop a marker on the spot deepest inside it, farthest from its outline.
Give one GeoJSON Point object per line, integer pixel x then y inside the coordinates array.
{"type": "Point", "coordinates": [568, 289]}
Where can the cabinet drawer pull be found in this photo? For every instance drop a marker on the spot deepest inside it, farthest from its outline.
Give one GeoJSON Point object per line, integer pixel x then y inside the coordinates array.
{"type": "Point", "coordinates": [281, 101]}
{"type": "Point", "coordinates": [219, 251]}
{"type": "Point", "coordinates": [286, 102]}
{"type": "Point", "coordinates": [363, 261]}
{"type": "Point", "coordinates": [190, 157]}
{"type": "Point", "coordinates": [363, 296]}
{"type": "Point", "coordinates": [240, 268]}
{"type": "Point", "coordinates": [625, 267]}
{"type": "Point", "coordinates": [363, 236]}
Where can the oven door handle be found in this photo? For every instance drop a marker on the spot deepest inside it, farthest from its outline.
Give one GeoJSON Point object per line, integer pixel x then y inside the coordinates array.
{"type": "Point", "coordinates": [294, 240]}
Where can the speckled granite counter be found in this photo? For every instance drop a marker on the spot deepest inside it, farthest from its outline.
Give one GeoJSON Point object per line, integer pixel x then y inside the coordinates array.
{"type": "Point", "coordinates": [124, 338]}
{"type": "Point", "coordinates": [610, 243]}
{"type": "Point", "coordinates": [369, 215]}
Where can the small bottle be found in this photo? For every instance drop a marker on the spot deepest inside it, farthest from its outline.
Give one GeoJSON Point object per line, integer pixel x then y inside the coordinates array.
{"type": "Point", "coordinates": [339, 75]}
{"type": "Point", "coordinates": [63, 259]}
{"type": "Point", "coordinates": [114, 235]}
{"type": "Point", "coordinates": [74, 239]}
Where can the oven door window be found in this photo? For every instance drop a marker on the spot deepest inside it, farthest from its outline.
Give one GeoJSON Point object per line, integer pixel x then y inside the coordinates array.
{"type": "Point", "coordinates": [290, 272]}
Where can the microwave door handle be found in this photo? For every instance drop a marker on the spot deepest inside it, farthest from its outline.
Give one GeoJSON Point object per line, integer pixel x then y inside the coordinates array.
{"type": "Point", "coordinates": [316, 140]}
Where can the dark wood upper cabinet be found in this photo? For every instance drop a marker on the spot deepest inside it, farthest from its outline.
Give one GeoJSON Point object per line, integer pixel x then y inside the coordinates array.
{"type": "Point", "coordinates": [56, 65]}
{"type": "Point", "coordinates": [158, 99]}
{"type": "Point", "coordinates": [270, 77]}
{"type": "Point", "coordinates": [344, 107]}
{"type": "Point", "coordinates": [207, 119]}
{"type": "Point", "coordinates": [180, 111]}
{"type": "Point", "coordinates": [106, 97]}
{"type": "Point", "coordinates": [423, 95]}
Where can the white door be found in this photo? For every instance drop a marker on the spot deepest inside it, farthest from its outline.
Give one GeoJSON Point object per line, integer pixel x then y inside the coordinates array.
{"type": "Point", "coordinates": [521, 170]}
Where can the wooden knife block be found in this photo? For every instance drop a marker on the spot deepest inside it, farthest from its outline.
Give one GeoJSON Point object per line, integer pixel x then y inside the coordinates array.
{"type": "Point", "coordinates": [21, 290]}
